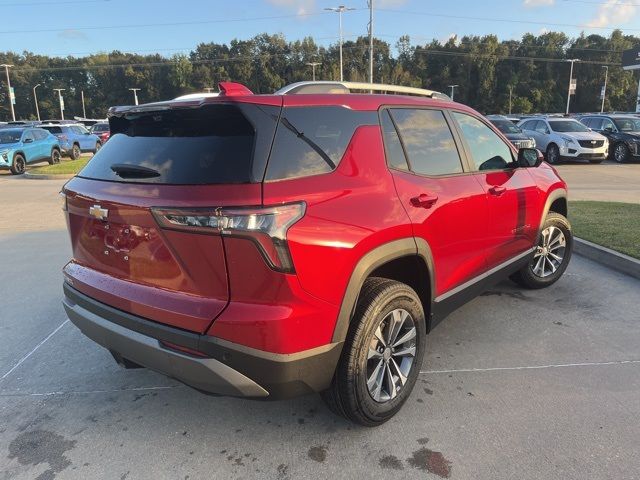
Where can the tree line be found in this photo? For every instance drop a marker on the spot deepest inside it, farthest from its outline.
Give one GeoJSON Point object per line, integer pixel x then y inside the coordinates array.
{"type": "Point", "coordinates": [533, 69]}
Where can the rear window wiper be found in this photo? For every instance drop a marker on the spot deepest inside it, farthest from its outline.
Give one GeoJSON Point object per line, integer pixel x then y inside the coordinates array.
{"type": "Point", "coordinates": [285, 121]}
{"type": "Point", "coordinates": [126, 170]}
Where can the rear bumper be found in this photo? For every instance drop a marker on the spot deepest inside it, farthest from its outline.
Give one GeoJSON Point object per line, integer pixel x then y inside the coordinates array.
{"type": "Point", "coordinates": [228, 368]}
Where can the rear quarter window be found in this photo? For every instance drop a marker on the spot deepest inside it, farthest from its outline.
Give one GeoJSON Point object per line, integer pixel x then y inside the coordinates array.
{"type": "Point", "coordinates": [312, 140]}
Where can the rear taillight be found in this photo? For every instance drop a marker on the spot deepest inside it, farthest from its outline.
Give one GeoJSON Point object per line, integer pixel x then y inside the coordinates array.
{"type": "Point", "coordinates": [265, 226]}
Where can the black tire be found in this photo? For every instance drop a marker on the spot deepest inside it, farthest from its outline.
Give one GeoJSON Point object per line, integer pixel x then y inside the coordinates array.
{"type": "Point", "coordinates": [98, 147]}
{"type": "Point", "coordinates": [19, 165]}
{"type": "Point", "coordinates": [620, 152]}
{"type": "Point", "coordinates": [553, 154]}
{"type": "Point", "coordinates": [75, 152]}
{"type": "Point", "coordinates": [55, 156]}
{"type": "Point", "coordinates": [349, 395]}
{"type": "Point", "coordinates": [526, 277]}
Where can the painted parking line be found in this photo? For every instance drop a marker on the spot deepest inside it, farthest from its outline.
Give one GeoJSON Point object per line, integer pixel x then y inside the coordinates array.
{"type": "Point", "coordinates": [23, 359]}
{"type": "Point", "coordinates": [89, 392]}
{"type": "Point", "coordinates": [532, 367]}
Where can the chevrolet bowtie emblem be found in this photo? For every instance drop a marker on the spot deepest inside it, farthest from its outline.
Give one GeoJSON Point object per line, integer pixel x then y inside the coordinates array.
{"type": "Point", "coordinates": [98, 212]}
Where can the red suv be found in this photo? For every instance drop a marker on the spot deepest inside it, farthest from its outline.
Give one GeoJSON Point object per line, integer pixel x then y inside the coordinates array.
{"type": "Point", "coordinates": [269, 246]}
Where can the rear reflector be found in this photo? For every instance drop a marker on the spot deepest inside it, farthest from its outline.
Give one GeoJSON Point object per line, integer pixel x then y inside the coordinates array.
{"type": "Point", "coordinates": [265, 226]}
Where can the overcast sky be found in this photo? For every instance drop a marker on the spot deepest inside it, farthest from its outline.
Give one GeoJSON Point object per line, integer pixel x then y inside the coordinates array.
{"type": "Point", "coordinates": [79, 27]}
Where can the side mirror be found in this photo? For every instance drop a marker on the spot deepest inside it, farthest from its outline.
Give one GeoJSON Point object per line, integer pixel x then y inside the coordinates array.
{"type": "Point", "coordinates": [608, 130]}
{"type": "Point", "coordinates": [529, 157]}
{"type": "Point", "coordinates": [28, 140]}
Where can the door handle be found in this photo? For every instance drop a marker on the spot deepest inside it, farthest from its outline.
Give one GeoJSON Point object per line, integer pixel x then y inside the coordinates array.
{"type": "Point", "coordinates": [497, 190]}
{"type": "Point", "coordinates": [424, 200]}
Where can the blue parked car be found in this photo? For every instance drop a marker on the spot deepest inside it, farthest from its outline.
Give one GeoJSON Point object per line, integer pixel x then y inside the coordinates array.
{"type": "Point", "coordinates": [20, 146]}
{"type": "Point", "coordinates": [74, 139]}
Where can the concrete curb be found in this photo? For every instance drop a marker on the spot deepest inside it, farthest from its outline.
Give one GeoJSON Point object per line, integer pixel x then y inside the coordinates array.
{"type": "Point", "coordinates": [37, 176]}
{"type": "Point", "coordinates": [605, 256]}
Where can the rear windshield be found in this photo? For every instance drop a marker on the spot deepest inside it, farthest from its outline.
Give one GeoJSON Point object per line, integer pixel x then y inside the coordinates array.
{"type": "Point", "coordinates": [100, 127]}
{"type": "Point", "coordinates": [206, 145]}
{"type": "Point", "coordinates": [53, 129]}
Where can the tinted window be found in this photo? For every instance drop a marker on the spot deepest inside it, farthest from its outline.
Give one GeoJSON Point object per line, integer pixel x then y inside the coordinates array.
{"type": "Point", "coordinates": [505, 126]}
{"type": "Point", "coordinates": [40, 134]}
{"type": "Point", "coordinates": [312, 140]}
{"type": "Point", "coordinates": [211, 144]}
{"type": "Point", "coordinates": [428, 141]}
{"type": "Point", "coordinates": [627, 124]}
{"type": "Point", "coordinates": [567, 126]}
{"type": "Point", "coordinates": [608, 124]}
{"type": "Point", "coordinates": [541, 127]}
{"type": "Point", "coordinates": [53, 130]}
{"type": "Point", "coordinates": [393, 147]}
{"type": "Point", "coordinates": [10, 136]}
{"type": "Point", "coordinates": [488, 151]}
{"type": "Point", "coordinates": [528, 125]}
{"type": "Point", "coordinates": [27, 135]}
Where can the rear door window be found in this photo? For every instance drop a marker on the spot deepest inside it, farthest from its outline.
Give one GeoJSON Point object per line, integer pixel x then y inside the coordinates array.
{"type": "Point", "coordinates": [487, 149]}
{"type": "Point", "coordinates": [213, 144]}
{"type": "Point", "coordinates": [428, 141]}
{"type": "Point", "coordinates": [312, 140]}
{"type": "Point", "coordinates": [541, 127]}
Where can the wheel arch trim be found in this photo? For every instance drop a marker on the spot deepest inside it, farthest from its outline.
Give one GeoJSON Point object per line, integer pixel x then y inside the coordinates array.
{"type": "Point", "coordinates": [558, 193]}
{"type": "Point", "coordinates": [372, 260]}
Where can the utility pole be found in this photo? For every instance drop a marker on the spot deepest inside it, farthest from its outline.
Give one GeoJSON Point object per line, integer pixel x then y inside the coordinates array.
{"type": "Point", "coordinates": [313, 66]}
{"type": "Point", "coordinates": [208, 89]}
{"type": "Point", "coordinates": [84, 113]}
{"type": "Point", "coordinates": [604, 89]}
{"type": "Point", "coordinates": [510, 96]}
{"type": "Point", "coordinates": [35, 99]}
{"type": "Point", "coordinates": [61, 100]}
{"type": "Point", "coordinates": [370, 2]}
{"type": "Point", "coordinates": [135, 94]}
{"type": "Point", "coordinates": [12, 97]}
{"type": "Point", "coordinates": [572, 84]}
{"type": "Point", "coordinates": [339, 10]}
{"type": "Point", "coordinates": [453, 87]}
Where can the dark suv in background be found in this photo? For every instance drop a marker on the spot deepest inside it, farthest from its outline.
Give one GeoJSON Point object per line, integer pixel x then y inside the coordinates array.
{"type": "Point", "coordinates": [269, 246]}
{"type": "Point", "coordinates": [623, 132]}
{"type": "Point", "coordinates": [512, 132]}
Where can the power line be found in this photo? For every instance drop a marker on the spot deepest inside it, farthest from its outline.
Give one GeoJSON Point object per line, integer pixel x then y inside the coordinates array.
{"type": "Point", "coordinates": [503, 20]}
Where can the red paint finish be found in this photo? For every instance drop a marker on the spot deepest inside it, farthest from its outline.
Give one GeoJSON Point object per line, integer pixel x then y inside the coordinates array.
{"type": "Point", "coordinates": [222, 286]}
{"type": "Point", "coordinates": [454, 226]}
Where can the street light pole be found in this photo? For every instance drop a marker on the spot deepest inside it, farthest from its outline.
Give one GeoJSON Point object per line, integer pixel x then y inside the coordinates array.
{"type": "Point", "coordinates": [135, 94]}
{"type": "Point", "coordinates": [35, 99]}
{"type": "Point", "coordinates": [453, 87]}
{"type": "Point", "coordinates": [604, 90]}
{"type": "Point", "coordinates": [370, 41]}
{"type": "Point", "coordinates": [313, 66]}
{"type": "Point", "coordinates": [570, 83]}
{"type": "Point", "coordinates": [510, 97]}
{"type": "Point", "coordinates": [60, 90]}
{"type": "Point", "coordinates": [340, 9]}
{"type": "Point", "coordinates": [84, 113]}
{"type": "Point", "coordinates": [11, 96]}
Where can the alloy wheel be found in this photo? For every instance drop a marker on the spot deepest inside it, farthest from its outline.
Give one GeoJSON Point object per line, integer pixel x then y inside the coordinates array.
{"type": "Point", "coordinates": [553, 154]}
{"type": "Point", "coordinates": [620, 153]}
{"type": "Point", "coordinates": [549, 254]}
{"type": "Point", "coordinates": [391, 354]}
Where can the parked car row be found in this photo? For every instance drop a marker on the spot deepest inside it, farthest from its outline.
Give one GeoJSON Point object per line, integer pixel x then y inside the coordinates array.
{"type": "Point", "coordinates": [22, 145]}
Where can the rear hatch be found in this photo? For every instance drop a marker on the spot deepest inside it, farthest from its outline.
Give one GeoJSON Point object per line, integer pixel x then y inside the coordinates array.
{"type": "Point", "coordinates": [185, 156]}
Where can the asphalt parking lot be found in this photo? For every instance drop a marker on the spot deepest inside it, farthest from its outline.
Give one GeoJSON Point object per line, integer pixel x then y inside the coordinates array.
{"type": "Point", "coordinates": [516, 384]}
{"type": "Point", "coordinates": [609, 181]}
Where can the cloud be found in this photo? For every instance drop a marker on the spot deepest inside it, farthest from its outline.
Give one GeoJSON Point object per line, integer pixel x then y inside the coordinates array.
{"type": "Point", "coordinates": [72, 34]}
{"type": "Point", "coordinates": [301, 7]}
{"type": "Point", "coordinates": [614, 12]}
{"type": "Point", "coordinates": [538, 3]}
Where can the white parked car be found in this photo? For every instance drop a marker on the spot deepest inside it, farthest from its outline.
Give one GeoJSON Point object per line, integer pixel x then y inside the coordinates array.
{"type": "Point", "coordinates": [565, 139]}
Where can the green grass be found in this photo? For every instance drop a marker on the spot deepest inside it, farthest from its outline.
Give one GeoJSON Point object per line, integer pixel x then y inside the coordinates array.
{"type": "Point", "coordinates": [63, 168]}
{"type": "Point", "coordinates": [610, 224]}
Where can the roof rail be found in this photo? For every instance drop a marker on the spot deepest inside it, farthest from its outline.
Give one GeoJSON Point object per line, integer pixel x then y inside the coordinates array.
{"type": "Point", "coordinates": [348, 87]}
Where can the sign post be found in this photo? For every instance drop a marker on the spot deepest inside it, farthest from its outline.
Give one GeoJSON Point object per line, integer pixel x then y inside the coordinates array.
{"type": "Point", "coordinates": [631, 61]}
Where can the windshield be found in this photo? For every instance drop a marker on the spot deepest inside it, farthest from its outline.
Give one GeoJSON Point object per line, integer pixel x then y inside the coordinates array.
{"type": "Point", "coordinates": [567, 126]}
{"type": "Point", "coordinates": [10, 136]}
{"type": "Point", "coordinates": [505, 126]}
{"type": "Point", "coordinates": [627, 124]}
